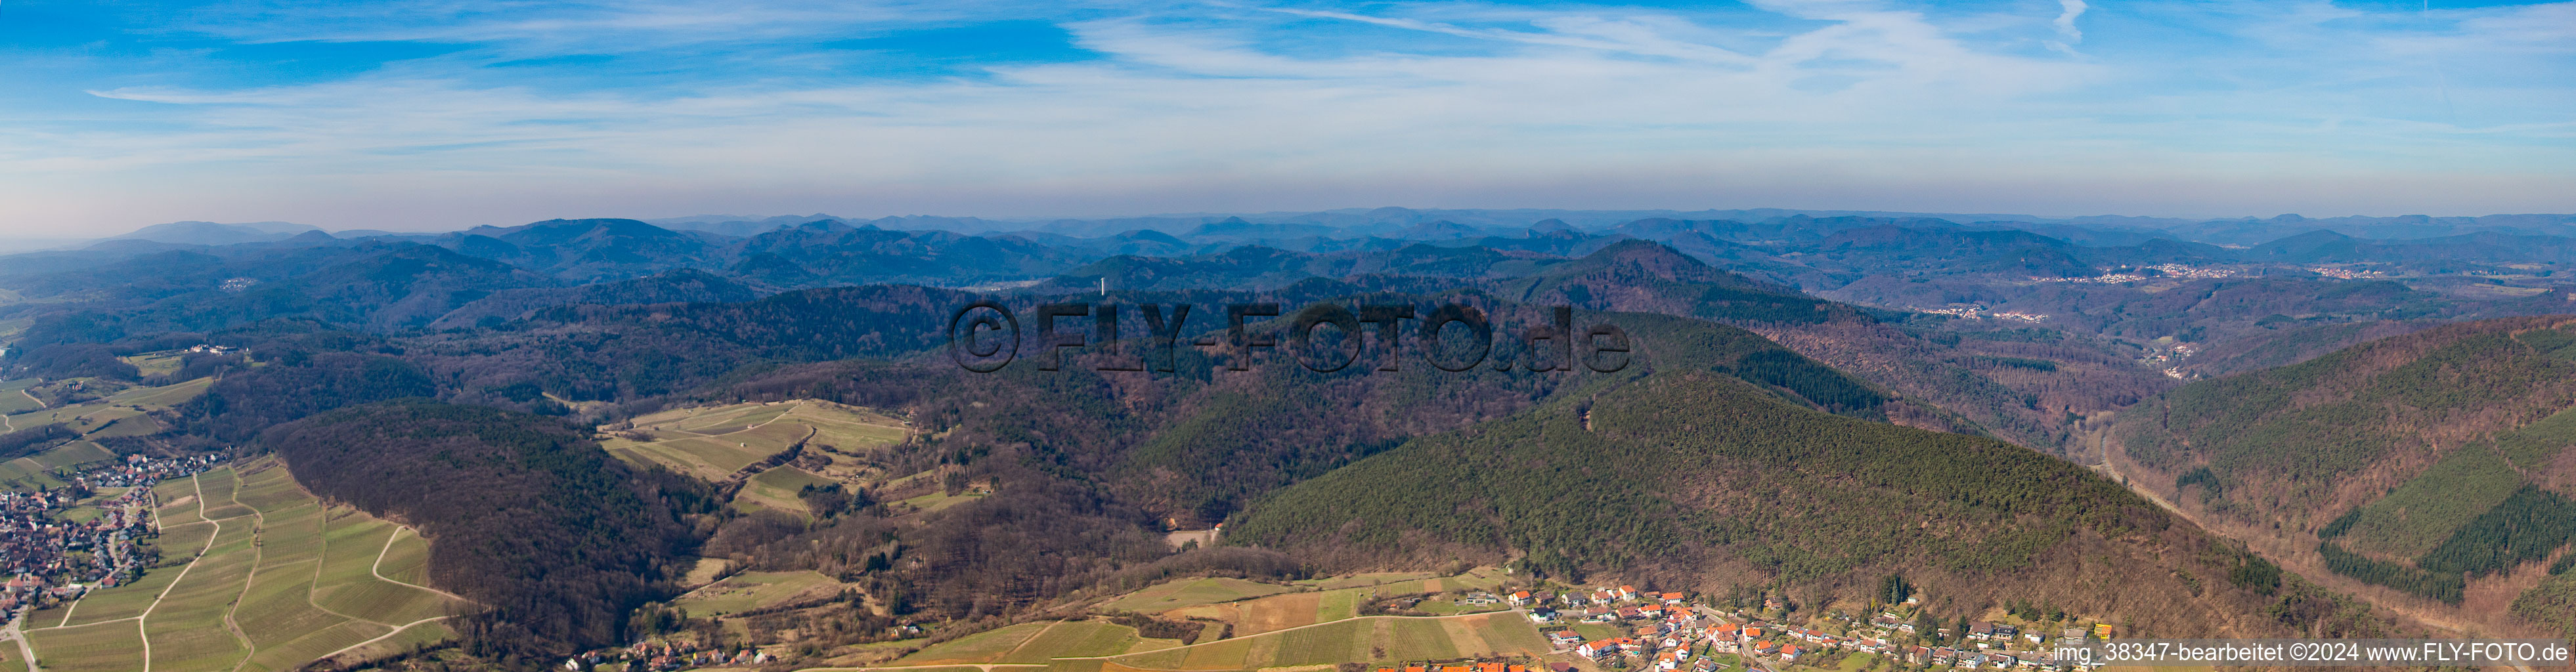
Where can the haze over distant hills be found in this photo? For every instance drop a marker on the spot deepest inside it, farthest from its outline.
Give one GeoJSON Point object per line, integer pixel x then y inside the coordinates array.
{"type": "Point", "coordinates": [1442, 224]}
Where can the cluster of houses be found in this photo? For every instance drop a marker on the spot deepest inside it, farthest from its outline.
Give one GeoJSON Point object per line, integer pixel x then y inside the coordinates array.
{"type": "Point", "coordinates": [1669, 635]}
{"type": "Point", "coordinates": [1979, 312]}
{"type": "Point", "coordinates": [1659, 626]}
{"type": "Point", "coordinates": [1471, 666]}
{"type": "Point", "coordinates": [2172, 271]}
{"type": "Point", "coordinates": [658, 656]}
{"type": "Point", "coordinates": [51, 558]}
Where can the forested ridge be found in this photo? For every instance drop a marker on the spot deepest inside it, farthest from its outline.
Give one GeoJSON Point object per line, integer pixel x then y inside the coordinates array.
{"type": "Point", "coordinates": [1664, 477]}
{"type": "Point", "coordinates": [2351, 413]}
{"type": "Point", "coordinates": [526, 516]}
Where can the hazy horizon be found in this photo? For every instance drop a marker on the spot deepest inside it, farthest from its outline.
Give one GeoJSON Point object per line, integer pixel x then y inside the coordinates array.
{"type": "Point", "coordinates": [1041, 219]}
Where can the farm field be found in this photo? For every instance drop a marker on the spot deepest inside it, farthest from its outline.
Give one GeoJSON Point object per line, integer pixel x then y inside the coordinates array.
{"type": "Point", "coordinates": [1190, 592]}
{"type": "Point", "coordinates": [1287, 610]}
{"type": "Point", "coordinates": [1365, 579]}
{"type": "Point", "coordinates": [933, 502]}
{"type": "Point", "coordinates": [122, 413]}
{"type": "Point", "coordinates": [981, 647]}
{"type": "Point", "coordinates": [256, 575]}
{"type": "Point", "coordinates": [873, 653]}
{"type": "Point", "coordinates": [151, 363]}
{"type": "Point", "coordinates": [13, 398]}
{"type": "Point", "coordinates": [715, 442]}
{"type": "Point", "coordinates": [26, 473]}
{"type": "Point", "coordinates": [777, 488]}
{"type": "Point", "coordinates": [753, 590]}
{"type": "Point", "coordinates": [1365, 639]}
{"type": "Point", "coordinates": [11, 660]}
{"type": "Point", "coordinates": [1073, 639]}
{"type": "Point", "coordinates": [101, 413]}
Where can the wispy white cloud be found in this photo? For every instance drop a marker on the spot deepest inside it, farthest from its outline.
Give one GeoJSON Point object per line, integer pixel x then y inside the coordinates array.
{"type": "Point", "coordinates": [2068, 35]}
{"type": "Point", "coordinates": [1827, 103]}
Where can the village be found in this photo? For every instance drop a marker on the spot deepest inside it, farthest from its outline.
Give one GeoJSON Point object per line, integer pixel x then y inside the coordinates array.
{"type": "Point", "coordinates": [1626, 628]}
{"type": "Point", "coordinates": [59, 543]}
{"type": "Point", "coordinates": [1980, 312]}
{"type": "Point", "coordinates": [2155, 272]}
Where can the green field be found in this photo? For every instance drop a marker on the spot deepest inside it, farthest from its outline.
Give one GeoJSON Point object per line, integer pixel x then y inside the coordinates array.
{"type": "Point", "coordinates": [981, 647]}
{"type": "Point", "coordinates": [116, 415]}
{"type": "Point", "coordinates": [1339, 604]}
{"type": "Point", "coordinates": [10, 660]}
{"type": "Point", "coordinates": [776, 489]}
{"type": "Point", "coordinates": [1364, 640]}
{"type": "Point", "coordinates": [106, 414]}
{"type": "Point", "coordinates": [150, 363]}
{"type": "Point", "coordinates": [282, 581]}
{"type": "Point", "coordinates": [1593, 631]}
{"type": "Point", "coordinates": [1189, 592]}
{"type": "Point", "coordinates": [1367, 579]}
{"type": "Point", "coordinates": [1073, 639]}
{"type": "Point", "coordinates": [714, 442]}
{"type": "Point", "coordinates": [406, 559]}
{"type": "Point", "coordinates": [934, 502]}
{"type": "Point", "coordinates": [13, 398]}
{"type": "Point", "coordinates": [71, 454]}
{"type": "Point", "coordinates": [1252, 608]}
{"type": "Point", "coordinates": [2425, 510]}
{"type": "Point", "coordinates": [26, 473]}
{"type": "Point", "coordinates": [105, 647]}
{"type": "Point", "coordinates": [753, 590]}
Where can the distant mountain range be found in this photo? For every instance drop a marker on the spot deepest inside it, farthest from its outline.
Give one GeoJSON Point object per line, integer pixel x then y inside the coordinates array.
{"type": "Point", "coordinates": [1450, 224]}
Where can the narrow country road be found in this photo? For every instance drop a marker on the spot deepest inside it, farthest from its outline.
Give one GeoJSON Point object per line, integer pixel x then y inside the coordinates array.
{"type": "Point", "coordinates": [389, 547]}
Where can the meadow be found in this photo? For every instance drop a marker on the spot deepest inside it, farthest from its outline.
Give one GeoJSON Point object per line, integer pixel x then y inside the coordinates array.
{"type": "Point", "coordinates": [1189, 592]}
{"type": "Point", "coordinates": [1272, 626]}
{"type": "Point", "coordinates": [714, 443]}
{"type": "Point", "coordinates": [1367, 639]}
{"type": "Point", "coordinates": [753, 590]}
{"type": "Point", "coordinates": [1255, 611]}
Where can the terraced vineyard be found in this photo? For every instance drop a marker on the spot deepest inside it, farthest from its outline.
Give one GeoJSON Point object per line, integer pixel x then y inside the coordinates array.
{"type": "Point", "coordinates": [256, 575]}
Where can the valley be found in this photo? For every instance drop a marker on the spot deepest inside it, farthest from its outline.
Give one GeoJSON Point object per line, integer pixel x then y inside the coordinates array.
{"type": "Point", "coordinates": [2441, 501]}
{"type": "Point", "coordinates": [1844, 443]}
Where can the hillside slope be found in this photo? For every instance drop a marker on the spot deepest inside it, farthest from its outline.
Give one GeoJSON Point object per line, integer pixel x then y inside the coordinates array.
{"type": "Point", "coordinates": [2433, 464]}
{"type": "Point", "coordinates": [1685, 478]}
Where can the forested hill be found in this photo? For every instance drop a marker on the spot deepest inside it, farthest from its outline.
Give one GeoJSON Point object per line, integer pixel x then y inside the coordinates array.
{"type": "Point", "coordinates": [527, 516]}
{"type": "Point", "coordinates": [2435, 465]}
{"type": "Point", "coordinates": [1691, 479]}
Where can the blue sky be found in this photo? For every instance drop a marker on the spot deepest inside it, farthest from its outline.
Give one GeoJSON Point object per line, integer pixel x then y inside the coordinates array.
{"type": "Point", "coordinates": [442, 114]}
